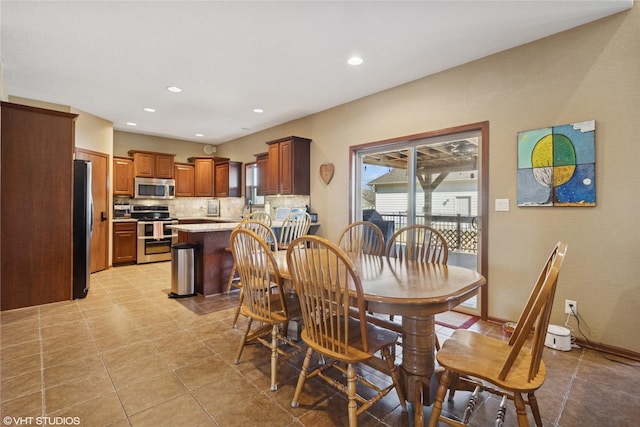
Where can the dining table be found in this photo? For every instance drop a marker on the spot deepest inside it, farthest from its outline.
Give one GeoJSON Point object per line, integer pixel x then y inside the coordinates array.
{"type": "Point", "coordinates": [416, 291]}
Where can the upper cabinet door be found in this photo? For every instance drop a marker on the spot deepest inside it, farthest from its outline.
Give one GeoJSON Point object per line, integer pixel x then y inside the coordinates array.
{"type": "Point", "coordinates": [228, 179]}
{"type": "Point", "coordinates": [286, 167]}
{"type": "Point", "coordinates": [203, 177]}
{"type": "Point", "coordinates": [262, 164]}
{"type": "Point", "coordinates": [164, 165]}
{"type": "Point", "coordinates": [273, 170]}
{"type": "Point", "coordinates": [222, 180]}
{"type": "Point", "coordinates": [122, 176]}
{"type": "Point", "coordinates": [185, 176]}
{"type": "Point", "coordinates": [144, 164]}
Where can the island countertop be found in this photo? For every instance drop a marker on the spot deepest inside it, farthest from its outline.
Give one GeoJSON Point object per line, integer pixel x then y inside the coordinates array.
{"type": "Point", "coordinates": [204, 228]}
{"type": "Point", "coordinates": [218, 226]}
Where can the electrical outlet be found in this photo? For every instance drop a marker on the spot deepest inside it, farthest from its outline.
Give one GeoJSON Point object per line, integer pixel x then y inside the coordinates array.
{"type": "Point", "coordinates": [568, 305]}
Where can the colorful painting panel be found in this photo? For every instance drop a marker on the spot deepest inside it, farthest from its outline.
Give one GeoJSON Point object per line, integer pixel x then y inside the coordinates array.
{"type": "Point", "coordinates": [556, 166]}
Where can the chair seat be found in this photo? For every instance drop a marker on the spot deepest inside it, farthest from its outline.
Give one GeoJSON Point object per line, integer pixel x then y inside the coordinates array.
{"type": "Point", "coordinates": [277, 311]}
{"type": "Point", "coordinates": [481, 356]}
{"type": "Point", "coordinates": [377, 338]}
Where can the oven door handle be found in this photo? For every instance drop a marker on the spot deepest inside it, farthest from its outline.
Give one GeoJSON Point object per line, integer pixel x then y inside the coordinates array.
{"type": "Point", "coordinates": [151, 237]}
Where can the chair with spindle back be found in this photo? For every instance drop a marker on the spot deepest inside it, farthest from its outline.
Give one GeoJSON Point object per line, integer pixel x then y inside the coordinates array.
{"type": "Point", "coordinates": [418, 243]}
{"type": "Point", "coordinates": [362, 237]}
{"type": "Point", "coordinates": [509, 367]}
{"type": "Point", "coordinates": [296, 224]}
{"type": "Point", "coordinates": [265, 232]}
{"type": "Point", "coordinates": [326, 283]}
{"type": "Point", "coordinates": [264, 300]}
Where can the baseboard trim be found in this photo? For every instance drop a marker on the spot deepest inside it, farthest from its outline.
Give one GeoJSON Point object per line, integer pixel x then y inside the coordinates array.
{"type": "Point", "coordinates": [604, 348]}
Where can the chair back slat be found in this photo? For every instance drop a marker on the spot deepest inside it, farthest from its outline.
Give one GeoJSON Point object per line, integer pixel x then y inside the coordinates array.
{"type": "Point", "coordinates": [263, 217]}
{"type": "Point", "coordinates": [262, 229]}
{"type": "Point", "coordinates": [258, 270]}
{"type": "Point", "coordinates": [296, 224]}
{"type": "Point", "coordinates": [322, 277]}
{"type": "Point", "coordinates": [536, 314]}
{"type": "Point", "coordinates": [419, 243]}
{"type": "Point", "coordinates": [362, 237]}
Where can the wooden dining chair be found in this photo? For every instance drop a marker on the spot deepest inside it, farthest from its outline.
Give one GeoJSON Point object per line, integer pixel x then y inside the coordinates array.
{"type": "Point", "coordinates": [418, 243]}
{"type": "Point", "coordinates": [510, 368]}
{"type": "Point", "coordinates": [264, 300]}
{"type": "Point", "coordinates": [263, 217]}
{"type": "Point", "coordinates": [268, 236]}
{"type": "Point", "coordinates": [296, 224]}
{"type": "Point", "coordinates": [362, 237]}
{"type": "Point", "coordinates": [326, 282]}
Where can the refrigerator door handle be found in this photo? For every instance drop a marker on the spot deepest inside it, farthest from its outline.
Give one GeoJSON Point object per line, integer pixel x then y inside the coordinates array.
{"type": "Point", "coordinates": [91, 222]}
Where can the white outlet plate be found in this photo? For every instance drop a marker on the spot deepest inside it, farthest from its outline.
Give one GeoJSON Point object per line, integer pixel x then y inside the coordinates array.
{"type": "Point", "coordinates": [567, 309]}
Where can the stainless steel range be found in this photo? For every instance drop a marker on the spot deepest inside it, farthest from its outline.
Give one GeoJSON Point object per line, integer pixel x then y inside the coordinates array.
{"type": "Point", "coordinates": [154, 238]}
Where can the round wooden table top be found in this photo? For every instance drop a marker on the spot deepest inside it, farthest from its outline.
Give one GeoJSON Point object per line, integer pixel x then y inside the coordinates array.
{"type": "Point", "coordinates": [408, 288]}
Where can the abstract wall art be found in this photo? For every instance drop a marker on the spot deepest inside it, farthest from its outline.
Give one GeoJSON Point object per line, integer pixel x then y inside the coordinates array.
{"type": "Point", "coordinates": [556, 165]}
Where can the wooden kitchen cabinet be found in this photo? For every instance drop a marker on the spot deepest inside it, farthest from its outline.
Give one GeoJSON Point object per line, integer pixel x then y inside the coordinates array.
{"type": "Point", "coordinates": [185, 179]}
{"type": "Point", "coordinates": [122, 176]}
{"type": "Point", "coordinates": [288, 170]}
{"type": "Point", "coordinates": [37, 206]}
{"type": "Point", "coordinates": [203, 176]}
{"type": "Point", "coordinates": [262, 164]}
{"type": "Point", "coordinates": [152, 165]}
{"type": "Point", "coordinates": [210, 182]}
{"type": "Point", "coordinates": [228, 179]}
{"type": "Point", "coordinates": [125, 243]}
{"type": "Point", "coordinates": [164, 165]}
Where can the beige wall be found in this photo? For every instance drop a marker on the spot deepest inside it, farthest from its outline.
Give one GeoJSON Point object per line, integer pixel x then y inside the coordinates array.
{"type": "Point", "coordinates": [590, 72]}
{"type": "Point", "coordinates": [125, 141]}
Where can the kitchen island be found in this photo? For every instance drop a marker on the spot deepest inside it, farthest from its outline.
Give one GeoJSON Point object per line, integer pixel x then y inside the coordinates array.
{"type": "Point", "coordinates": [213, 261]}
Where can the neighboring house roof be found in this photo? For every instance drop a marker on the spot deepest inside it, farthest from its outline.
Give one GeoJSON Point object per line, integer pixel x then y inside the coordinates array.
{"type": "Point", "coordinates": [393, 177]}
{"type": "Point", "coordinates": [399, 176]}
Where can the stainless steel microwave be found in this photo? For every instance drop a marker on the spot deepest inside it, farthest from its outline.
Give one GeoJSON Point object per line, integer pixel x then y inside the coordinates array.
{"type": "Point", "coordinates": [154, 188]}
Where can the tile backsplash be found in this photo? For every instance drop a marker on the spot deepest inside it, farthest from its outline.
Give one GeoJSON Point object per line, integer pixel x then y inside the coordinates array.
{"type": "Point", "coordinates": [230, 207]}
{"type": "Point", "coordinates": [286, 202]}
{"type": "Point", "coordinates": [185, 207]}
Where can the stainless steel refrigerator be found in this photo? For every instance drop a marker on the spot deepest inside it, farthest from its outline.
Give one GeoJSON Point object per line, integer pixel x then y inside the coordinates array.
{"type": "Point", "coordinates": [82, 227]}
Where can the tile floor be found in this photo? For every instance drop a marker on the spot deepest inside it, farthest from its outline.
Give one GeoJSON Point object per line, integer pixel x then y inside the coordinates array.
{"type": "Point", "coordinates": [129, 356]}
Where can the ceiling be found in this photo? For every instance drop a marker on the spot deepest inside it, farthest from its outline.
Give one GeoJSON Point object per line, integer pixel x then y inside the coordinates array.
{"type": "Point", "coordinates": [113, 59]}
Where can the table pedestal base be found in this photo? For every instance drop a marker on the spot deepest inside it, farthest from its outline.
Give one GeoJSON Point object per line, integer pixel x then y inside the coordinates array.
{"type": "Point", "coordinates": [418, 362]}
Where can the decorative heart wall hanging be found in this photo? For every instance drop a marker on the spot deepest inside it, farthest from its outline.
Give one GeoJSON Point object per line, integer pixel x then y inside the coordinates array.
{"type": "Point", "coordinates": [326, 172]}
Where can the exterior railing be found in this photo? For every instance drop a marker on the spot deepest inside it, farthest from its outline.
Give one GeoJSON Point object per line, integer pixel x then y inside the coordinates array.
{"type": "Point", "coordinates": [460, 231]}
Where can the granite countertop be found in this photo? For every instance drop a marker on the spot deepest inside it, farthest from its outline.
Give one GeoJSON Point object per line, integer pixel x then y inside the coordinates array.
{"type": "Point", "coordinates": [217, 226]}
{"type": "Point", "coordinates": [210, 218]}
{"type": "Point", "coordinates": [124, 220]}
{"type": "Point", "coordinates": [205, 228]}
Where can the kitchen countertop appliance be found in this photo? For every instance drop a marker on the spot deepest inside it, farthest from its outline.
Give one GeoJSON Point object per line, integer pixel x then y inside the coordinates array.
{"type": "Point", "coordinates": [154, 238]}
{"type": "Point", "coordinates": [121, 210]}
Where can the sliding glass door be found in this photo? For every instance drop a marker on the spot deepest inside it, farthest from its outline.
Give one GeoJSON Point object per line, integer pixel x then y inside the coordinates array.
{"type": "Point", "coordinates": [433, 179]}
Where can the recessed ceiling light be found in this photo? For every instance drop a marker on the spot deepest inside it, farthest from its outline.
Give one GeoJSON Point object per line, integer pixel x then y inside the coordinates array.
{"type": "Point", "coordinates": [355, 60]}
{"type": "Point", "coordinates": [199, 134]}
{"type": "Point", "coordinates": [149, 110]}
{"type": "Point", "coordinates": [258, 110]}
{"type": "Point", "coordinates": [174, 89]}
{"type": "Point", "coordinates": [132, 124]}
